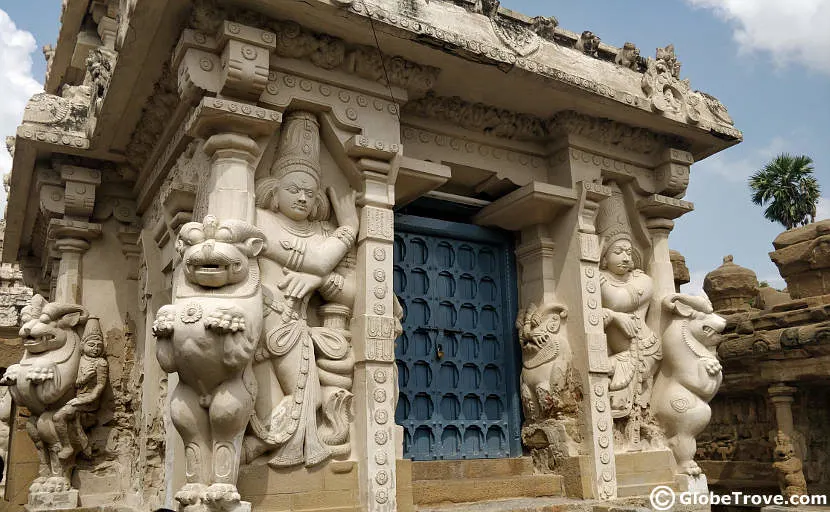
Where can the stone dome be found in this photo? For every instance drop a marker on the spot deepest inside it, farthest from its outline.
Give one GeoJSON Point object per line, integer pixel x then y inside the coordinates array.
{"type": "Point", "coordinates": [731, 287]}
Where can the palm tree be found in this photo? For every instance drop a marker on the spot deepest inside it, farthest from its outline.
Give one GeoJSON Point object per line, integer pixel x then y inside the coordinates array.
{"type": "Point", "coordinates": [788, 185]}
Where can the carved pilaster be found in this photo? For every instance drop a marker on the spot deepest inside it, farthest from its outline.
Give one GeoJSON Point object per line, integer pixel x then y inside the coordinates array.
{"type": "Point", "coordinates": [129, 237]}
{"type": "Point", "coordinates": [596, 400]}
{"type": "Point", "coordinates": [782, 397]}
{"type": "Point", "coordinates": [535, 258]}
{"type": "Point", "coordinates": [374, 325]}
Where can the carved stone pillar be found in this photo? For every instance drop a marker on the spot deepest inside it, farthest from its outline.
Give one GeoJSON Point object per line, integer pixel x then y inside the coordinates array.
{"type": "Point", "coordinates": [535, 257]}
{"type": "Point", "coordinates": [782, 398]}
{"type": "Point", "coordinates": [230, 128]}
{"type": "Point", "coordinates": [72, 239]}
{"type": "Point", "coordinates": [601, 464]}
{"type": "Point", "coordinates": [374, 326]}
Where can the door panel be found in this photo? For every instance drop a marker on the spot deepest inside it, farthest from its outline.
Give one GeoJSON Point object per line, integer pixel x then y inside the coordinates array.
{"type": "Point", "coordinates": [457, 354]}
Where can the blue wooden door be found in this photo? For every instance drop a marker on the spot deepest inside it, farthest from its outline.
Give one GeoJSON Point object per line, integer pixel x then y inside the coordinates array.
{"type": "Point", "coordinates": [457, 354]}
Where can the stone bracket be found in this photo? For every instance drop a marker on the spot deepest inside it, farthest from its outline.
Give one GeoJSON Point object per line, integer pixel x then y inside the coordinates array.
{"type": "Point", "coordinates": [214, 115]}
{"type": "Point", "coordinates": [535, 203]}
{"type": "Point", "coordinates": [663, 207]}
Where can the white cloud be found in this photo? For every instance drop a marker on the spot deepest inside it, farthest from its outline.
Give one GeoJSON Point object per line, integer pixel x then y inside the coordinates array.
{"type": "Point", "coordinates": [738, 170]}
{"type": "Point", "coordinates": [16, 86]}
{"type": "Point", "coordinates": [823, 208]}
{"type": "Point", "coordinates": [789, 31]}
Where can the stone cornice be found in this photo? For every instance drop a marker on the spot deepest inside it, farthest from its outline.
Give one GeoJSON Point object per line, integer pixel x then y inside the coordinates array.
{"type": "Point", "coordinates": [520, 126]}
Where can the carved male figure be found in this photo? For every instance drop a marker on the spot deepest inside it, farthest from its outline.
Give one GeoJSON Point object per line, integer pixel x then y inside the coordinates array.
{"type": "Point", "coordinates": [93, 372]}
{"type": "Point", "coordinates": [689, 376]}
{"type": "Point", "coordinates": [208, 335]}
{"type": "Point", "coordinates": [305, 363]}
{"type": "Point", "coordinates": [789, 467]}
{"type": "Point", "coordinates": [44, 382]}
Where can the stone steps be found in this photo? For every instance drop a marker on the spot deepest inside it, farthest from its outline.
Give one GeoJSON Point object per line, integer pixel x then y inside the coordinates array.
{"type": "Point", "coordinates": [478, 481]}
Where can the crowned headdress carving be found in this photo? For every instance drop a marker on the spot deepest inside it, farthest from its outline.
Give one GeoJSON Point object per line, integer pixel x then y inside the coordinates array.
{"type": "Point", "coordinates": [614, 225]}
{"type": "Point", "coordinates": [298, 151]}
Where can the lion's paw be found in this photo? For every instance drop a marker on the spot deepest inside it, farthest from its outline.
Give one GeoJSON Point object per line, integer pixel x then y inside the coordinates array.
{"type": "Point", "coordinates": [165, 320]}
{"type": "Point", "coordinates": [690, 468]}
{"type": "Point", "coordinates": [222, 494]}
{"type": "Point", "coordinates": [56, 484]}
{"type": "Point", "coordinates": [190, 494]}
{"type": "Point", "coordinates": [225, 320]}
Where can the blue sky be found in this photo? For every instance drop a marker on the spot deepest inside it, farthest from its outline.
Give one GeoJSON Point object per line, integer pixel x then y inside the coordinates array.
{"type": "Point", "coordinates": [766, 60]}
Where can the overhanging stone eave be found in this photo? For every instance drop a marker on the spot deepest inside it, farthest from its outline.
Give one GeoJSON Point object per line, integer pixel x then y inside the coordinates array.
{"type": "Point", "coordinates": [71, 19]}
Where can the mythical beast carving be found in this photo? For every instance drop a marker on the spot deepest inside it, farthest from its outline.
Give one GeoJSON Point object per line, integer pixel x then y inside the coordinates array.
{"type": "Point", "coordinates": [689, 375]}
{"type": "Point", "coordinates": [46, 381]}
{"type": "Point", "coordinates": [208, 335]}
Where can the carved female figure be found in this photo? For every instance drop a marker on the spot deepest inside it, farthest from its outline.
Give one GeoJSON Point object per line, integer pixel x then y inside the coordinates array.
{"type": "Point", "coordinates": [305, 360]}
{"type": "Point", "coordinates": [626, 296]}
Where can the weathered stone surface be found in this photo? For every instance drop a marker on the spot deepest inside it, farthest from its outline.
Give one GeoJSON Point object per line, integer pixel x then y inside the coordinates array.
{"type": "Point", "coordinates": [802, 256]}
{"type": "Point", "coordinates": [731, 287]}
{"type": "Point", "coordinates": [681, 271]}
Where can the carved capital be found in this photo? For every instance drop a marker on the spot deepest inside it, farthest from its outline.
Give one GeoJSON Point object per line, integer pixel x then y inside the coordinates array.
{"type": "Point", "coordinates": [671, 176]}
{"type": "Point", "coordinates": [658, 206]}
{"type": "Point", "coordinates": [590, 195]}
{"type": "Point", "coordinates": [215, 115]}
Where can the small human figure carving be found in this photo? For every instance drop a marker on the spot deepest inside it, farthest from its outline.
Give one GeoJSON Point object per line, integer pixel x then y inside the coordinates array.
{"type": "Point", "coordinates": [93, 372]}
{"type": "Point", "coordinates": [789, 467]}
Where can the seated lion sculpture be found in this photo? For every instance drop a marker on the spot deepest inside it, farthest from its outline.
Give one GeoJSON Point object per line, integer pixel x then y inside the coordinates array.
{"type": "Point", "coordinates": [209, 335]}
{"type": "Point", "coordinates": [689, 375]}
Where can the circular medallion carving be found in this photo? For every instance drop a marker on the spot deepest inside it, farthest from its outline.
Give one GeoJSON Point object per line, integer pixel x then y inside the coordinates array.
{"type": "Point", "coordinates": [344, 96]}
{"type": "Point", "coordinates": [591, 286]}
{"type": "Point", "coordinates": [379, 309]}
{"type": "Point", "coordinates": [381, 416]}
{"type": "Point", "coordinates": [206, 64]}
{"type": "Point", "coordinates": [604, 458]}
{"type": "Point", "coordinates": [381, 496]}
{"type": "Point", "coordinates": [191, 313]}
{"type": "Point", "coordinates": [246, 109]}
{"type": "Point", "coordinates": [233, 28]}
{"type": "Point", "coordinates": [593, 319]}
{"type": "Point", "coordinates": [602, 425]}
{"type": "Point", "coordinates": [289, 80]}
{"type": "Point", "coordinates": [379, 395]}
{"type": "Point", "coordinates": [305, 85]}
{"type": "Point", "coordinates": [381, 437]}
{"type": "Point", "coordinates": [592, 303]}
{"type": "Point", "coordinates": [249, 52]}
{"type": "Point", "coordinates": [382, 477]}
{"type": "Point", "coordinates": [380, 275]}
{"type": "Point", "coordinates": [351, 114]}
{"type": "Point", "coordinates": [607, 475]}
{"type": "Point", "coordinates": [272, 88]}
{"type": "Point", "coordinates": [325, 90]}
{"type": "Point", "coordinates": [200, 38]}
{"type": "Point", "coordinates": [599, 389]}
{"type": "Point", "coordinates": [362, 101]}
{"type": "Point", "coordinates": [603, 441]}
{"type": "Point", "coordinates": [378, 105]}
{"type": "Point", "coordinates": [380, 458]}
{"type": "Point", "coordinates": [380, 291]}
{"type": "Point", "coordinates": [267, 37]}
{"type": "Point", "coordinates": [379, 253]}
{"type": "Point", "coordinates": [380, 376]}
{"type": "Point", "coordinates": [599, 406]}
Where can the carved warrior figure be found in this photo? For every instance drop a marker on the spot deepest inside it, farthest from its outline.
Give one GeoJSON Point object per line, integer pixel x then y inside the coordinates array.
{"type": "Point", "coordinates": [547, 381]}
{"type": "Point", "coordinates": [208, 335]}
{"type": "Point", "coordinates": [789, 467]}
{"type": "Point", "coordinates": [305, 360]}
{"type": "Point", "coordinates": [45, 382]}
{"type": "Point", "coordinates": [689, 376]}
{"type": "Point", "coordinates": [626, 292]}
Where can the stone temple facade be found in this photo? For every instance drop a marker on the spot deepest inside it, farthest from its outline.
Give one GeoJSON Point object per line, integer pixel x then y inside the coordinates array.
{"type": "Point", "coordinates": [353, 255]}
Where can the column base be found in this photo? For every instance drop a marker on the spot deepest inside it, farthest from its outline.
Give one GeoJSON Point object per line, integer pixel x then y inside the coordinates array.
{"type": "Point", "coordinates": [61, 500]}
{"type": "Point", "coordinates": [692, 484]}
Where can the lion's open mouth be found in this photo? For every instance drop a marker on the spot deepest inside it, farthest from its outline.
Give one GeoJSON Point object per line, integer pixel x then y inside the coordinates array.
{"type": "Point", "coordinates": [40, 340]}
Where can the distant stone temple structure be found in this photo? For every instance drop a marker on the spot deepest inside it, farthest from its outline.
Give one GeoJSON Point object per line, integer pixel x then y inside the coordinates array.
{"type": "Point", "coordinates": [769, 420]}
{"type": "Point", "coordinates": [363, 255]}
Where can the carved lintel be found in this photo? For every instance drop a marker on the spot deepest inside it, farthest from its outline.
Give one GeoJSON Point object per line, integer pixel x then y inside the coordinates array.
{"type": "Point", "coordinates": [664, 207]}
{"type": "Point", "coordinates": [535, 203]}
